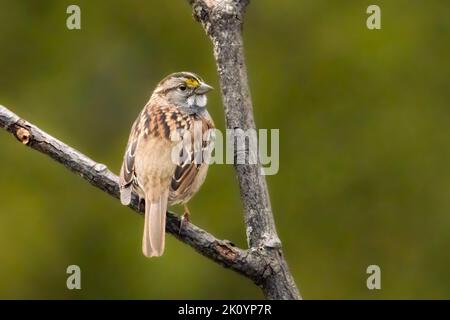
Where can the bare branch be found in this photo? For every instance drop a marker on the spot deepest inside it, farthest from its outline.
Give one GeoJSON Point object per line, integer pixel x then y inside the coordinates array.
{"type": "Point", "coordinates": [250, 263]}
{"type": "Point", "coordinates": [223, 21]}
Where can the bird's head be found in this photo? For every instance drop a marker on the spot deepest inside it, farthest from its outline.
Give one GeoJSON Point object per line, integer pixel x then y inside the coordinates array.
{"type": "Point", "coordinates": [184, 89]}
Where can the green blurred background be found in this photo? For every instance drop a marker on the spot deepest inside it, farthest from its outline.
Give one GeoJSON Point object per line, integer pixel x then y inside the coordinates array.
{"type": "Point", "coordinates": [364, 158]}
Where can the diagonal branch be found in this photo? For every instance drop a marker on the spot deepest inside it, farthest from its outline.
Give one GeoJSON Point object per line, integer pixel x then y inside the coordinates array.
{"type": "Point", "coordinates": [249, 263]}
{"type": "Point", "coordinates": [223, 22]}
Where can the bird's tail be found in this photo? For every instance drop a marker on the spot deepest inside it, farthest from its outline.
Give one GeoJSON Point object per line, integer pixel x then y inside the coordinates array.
{"type": "Point", "coordinates": [155, 226]}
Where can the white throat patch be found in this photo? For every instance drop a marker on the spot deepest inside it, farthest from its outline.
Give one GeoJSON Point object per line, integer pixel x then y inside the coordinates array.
{"type": "Point", "coordinates": [197, 100]}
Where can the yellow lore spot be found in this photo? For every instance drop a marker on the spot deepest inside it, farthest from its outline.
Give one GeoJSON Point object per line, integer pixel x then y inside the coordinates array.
{"type": "Point", "coordinates": [192, 83]}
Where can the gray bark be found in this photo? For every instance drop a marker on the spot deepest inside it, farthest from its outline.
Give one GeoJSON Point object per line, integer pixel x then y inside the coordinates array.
{"type": "Point", "coordinates": [223, 22]}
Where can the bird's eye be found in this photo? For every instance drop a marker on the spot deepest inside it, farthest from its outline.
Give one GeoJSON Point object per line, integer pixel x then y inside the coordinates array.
{"type": "Point", "coordinates": [182, 87]}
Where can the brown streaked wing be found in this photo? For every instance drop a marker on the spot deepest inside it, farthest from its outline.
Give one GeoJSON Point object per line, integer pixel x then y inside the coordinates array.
{"type": "Point", "coordinates": [185, 173]}
{"type": "Point", "coordinates": [156, 121]}
{"type": "Point", "coordinates": [127, 170]}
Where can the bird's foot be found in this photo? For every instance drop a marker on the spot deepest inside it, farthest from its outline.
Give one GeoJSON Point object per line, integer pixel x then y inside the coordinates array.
{"type": "Point", "coordinates": [185, 218]}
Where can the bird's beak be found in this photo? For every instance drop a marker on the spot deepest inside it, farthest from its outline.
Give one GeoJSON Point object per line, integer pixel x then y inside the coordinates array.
{"type": "Point", "coordinates": [203, 88]}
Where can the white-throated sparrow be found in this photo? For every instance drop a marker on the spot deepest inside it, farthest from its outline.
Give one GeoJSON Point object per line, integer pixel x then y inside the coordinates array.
{"type": "Point", "coordinates": [176, 107]}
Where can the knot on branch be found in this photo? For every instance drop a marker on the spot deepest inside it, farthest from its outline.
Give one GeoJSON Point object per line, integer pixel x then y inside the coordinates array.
{"type": "Point", "coordinates": [226, 250]}
{"type": "Point", "coordinates": [219, 15]}
{"type": "Point", "coordinates": [270, 261]}
{"type": "Point", "coordinates": [22, 134]}
{"type": "Point", "coordinates": [265, 263]}
{"type": "Point", "coordinates": [100, 168]}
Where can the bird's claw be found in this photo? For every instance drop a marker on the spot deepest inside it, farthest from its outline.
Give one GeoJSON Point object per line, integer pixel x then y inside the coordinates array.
{"type": "Point", "coordinates": [184, 220]}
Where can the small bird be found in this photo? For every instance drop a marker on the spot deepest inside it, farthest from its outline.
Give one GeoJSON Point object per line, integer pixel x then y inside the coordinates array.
{"type": "Point", "coordinates": [176, 109]}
